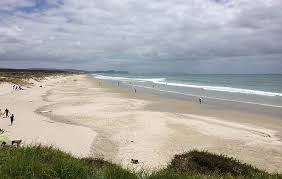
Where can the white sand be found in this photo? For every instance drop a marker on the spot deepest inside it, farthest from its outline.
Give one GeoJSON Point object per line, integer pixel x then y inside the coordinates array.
{"type": "Point", "coordinates": [33, 128]}
{"type": "Point", "coordinates": [126, 129]}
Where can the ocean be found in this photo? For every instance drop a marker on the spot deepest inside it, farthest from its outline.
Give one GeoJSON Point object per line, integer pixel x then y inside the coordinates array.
{"type": "Point", "coordinates": [263, 90]}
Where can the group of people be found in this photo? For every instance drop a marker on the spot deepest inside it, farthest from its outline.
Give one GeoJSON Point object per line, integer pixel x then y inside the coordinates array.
{"type": "Point", "coordinates": [17, 87]}
{"type": "Point", "coordinates": [4, 142]}
{"type": "Point", "coordinates": [7, 114]}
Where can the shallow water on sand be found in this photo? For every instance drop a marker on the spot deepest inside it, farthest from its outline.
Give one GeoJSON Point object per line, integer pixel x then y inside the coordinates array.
{"type": "Point", "coordinates": [264, 90]}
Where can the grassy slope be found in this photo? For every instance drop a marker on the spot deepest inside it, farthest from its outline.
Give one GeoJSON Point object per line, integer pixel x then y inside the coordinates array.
{"type": "Point", "coordinates": [43, 162]}
{"type": "Point", "coordinates": [46, 162]}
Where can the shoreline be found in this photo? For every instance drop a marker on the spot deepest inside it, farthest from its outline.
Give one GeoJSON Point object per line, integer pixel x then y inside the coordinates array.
{"type": "Point", "coordinates": [224, 114]}
{"type": "Point", "coordinates": [191, 105]}
{"type": "Point", "coordinates": [161, 85]}
{"type": "Point", "coordinates": [122, 126]}
{"type": "Point", "coordinates": [215, 103]}
{"type": "Point", "coordinates": [120, 117]}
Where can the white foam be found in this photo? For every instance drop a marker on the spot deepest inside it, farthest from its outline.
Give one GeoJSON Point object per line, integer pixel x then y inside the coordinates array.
{"type": "Point", "coordinates": [221, 99]}
{"type": "Point", "coordinates": [163, 81]}
{"type": "Point", "coordinates": [223, 89]}
{"type": "Point", "coordinates": [111, 78]}
{"type": "Point", "coordinates": [154, 80]}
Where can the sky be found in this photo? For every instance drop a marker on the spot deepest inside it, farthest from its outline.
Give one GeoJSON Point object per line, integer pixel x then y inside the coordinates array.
{"type": "Point", "coordinates": [189, 36]}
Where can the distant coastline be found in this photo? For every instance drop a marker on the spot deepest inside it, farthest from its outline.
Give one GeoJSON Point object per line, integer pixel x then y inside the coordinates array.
{"type": "Point", "coordinates": [111, 72]}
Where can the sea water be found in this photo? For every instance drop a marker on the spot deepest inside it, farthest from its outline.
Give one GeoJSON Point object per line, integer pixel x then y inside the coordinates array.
{"type": "Point", "coordinates": [265, 90]}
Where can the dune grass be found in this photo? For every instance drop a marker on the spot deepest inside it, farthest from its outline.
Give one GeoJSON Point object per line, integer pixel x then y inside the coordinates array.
{"type": "Point", "coordinates": [47, 162]}
{"type": "Point", "coordinates": [202, 164]}
{"type": "Point", "coordinates": [22, 77]}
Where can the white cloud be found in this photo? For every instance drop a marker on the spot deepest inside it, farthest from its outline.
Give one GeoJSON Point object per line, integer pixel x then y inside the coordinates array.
{"type": "Point", "coordinates": [142, 33]}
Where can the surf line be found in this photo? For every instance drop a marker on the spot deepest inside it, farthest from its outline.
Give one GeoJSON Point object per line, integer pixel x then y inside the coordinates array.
{"type": "Point", "coordinates": [222, 99]}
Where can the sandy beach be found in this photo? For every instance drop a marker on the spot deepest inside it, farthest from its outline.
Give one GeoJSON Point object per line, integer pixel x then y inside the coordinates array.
{"type": "Point", "coordinates": [34, 128]}
{"type": "Point", "coordinates": [90, 118]}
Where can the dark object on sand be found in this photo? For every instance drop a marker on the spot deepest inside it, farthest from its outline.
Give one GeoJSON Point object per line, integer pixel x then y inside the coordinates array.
{"type": "Point", "coordinates": [40, 86]}
{"type": "Point", "coordinates": [12, 117]}
{"type": "Point", "coordinates": [200, 100]}
{"type": "Point", "coordinates": [6, 112]}
{"type": "Point", "coordinates": [17, 142]}
{"type": "Point", "coordinates": [134, 161]}
{"type": "Point", "coordinates": [3, 144]}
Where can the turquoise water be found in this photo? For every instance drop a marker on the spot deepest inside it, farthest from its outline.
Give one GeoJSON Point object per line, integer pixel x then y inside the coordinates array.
{"type": "Point", "coordinates": [258, 89]}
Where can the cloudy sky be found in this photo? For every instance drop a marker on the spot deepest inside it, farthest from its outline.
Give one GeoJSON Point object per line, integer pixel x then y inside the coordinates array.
{"type": "Point", "coordinates": [192, 36]}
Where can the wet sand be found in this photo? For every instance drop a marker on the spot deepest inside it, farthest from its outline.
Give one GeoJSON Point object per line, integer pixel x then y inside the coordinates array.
{"type": "Point", "coordinates": [152, 129]}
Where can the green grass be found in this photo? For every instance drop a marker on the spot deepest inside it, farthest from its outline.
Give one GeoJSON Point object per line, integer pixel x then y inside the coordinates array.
{"type": "Point", "coordinates": [202, 164]}
{"type": "Point", "coordinates": [47, 162]}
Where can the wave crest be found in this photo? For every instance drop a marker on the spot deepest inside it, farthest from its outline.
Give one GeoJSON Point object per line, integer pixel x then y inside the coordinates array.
{"type": "Point", "coordinates": [163, 81]}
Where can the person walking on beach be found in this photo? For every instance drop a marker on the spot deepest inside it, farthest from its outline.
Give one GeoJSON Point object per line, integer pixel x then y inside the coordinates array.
{"type": "Point", "coordinates": [200, 100]}
{"type": "Point", "coordinates": [6, 112]}
{"type": "Point", "coordinates": [12, 117]}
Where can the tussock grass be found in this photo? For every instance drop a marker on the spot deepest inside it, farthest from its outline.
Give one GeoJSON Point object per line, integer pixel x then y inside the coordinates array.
{"type": "Point", "coordinates": [21, 78]}
{"type": "Point", "coordinates": [206, 163]}
{"type": "Point", "coordinates": [48, 162]}
{"type": "Point", "coordinates": [203, 164]}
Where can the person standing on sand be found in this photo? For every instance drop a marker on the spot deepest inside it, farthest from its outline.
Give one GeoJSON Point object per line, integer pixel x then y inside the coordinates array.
{"type": "Point", "coordinates": [12, 117]}
{"type": "Point", "coordinates": [6, 112]}
{"type": "Point", "coordinates": [200, 100]}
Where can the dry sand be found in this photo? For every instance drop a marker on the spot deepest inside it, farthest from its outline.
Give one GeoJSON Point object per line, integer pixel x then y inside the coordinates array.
{"type": "Point", "coordinates": [34, 128]}
{"type": "Point", "coordinates": [78, 115]}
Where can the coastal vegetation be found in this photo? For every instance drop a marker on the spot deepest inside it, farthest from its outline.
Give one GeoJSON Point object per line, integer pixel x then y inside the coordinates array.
{"type": "Point", "coordinates": [48, 162]}
{"type": "Point", "coordinates": [22, 77]}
